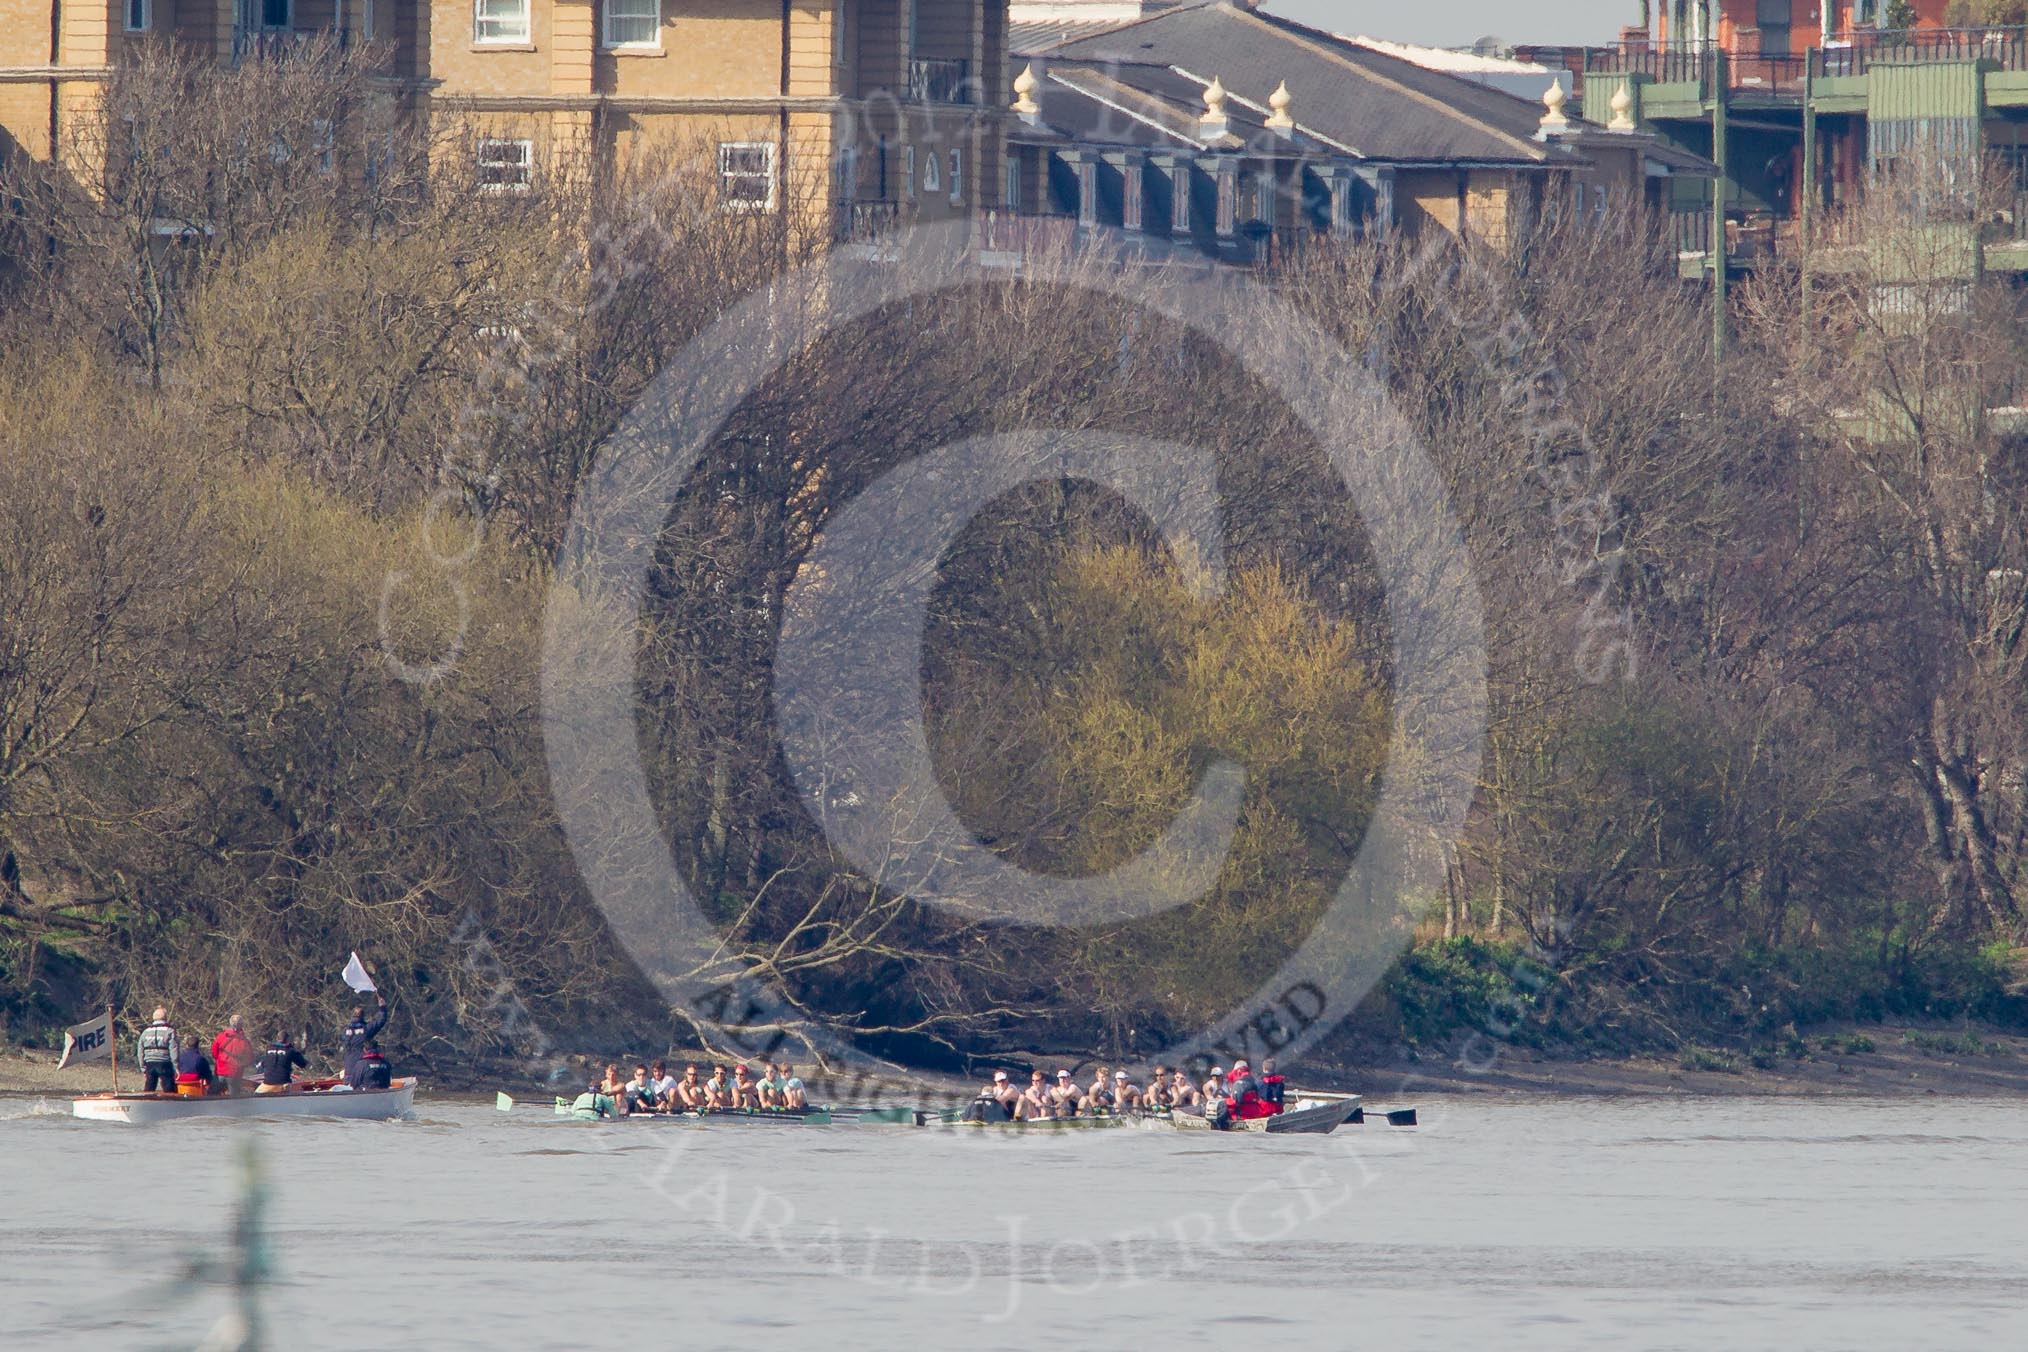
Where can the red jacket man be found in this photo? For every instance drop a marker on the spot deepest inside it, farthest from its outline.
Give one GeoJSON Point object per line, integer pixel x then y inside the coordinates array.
{"type": "Point", "coordinates": [1245, 1091]}
{"type": "Point", "coordinates": [231, 1053]}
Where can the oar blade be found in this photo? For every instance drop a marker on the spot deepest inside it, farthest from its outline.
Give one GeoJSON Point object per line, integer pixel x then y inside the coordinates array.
{"type": "Point", "coordinates": [503, 1103]}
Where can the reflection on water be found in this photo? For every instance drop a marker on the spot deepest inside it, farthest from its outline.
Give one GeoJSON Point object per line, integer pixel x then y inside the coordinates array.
{"type": "Point", "coordinates": [1508, 1222]}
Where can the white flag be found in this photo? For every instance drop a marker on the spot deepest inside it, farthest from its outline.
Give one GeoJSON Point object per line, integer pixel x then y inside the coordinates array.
{"type": "Point", "coordinates": [355, 975]}
{"type": "Point", "coordinates": [88, 1041]}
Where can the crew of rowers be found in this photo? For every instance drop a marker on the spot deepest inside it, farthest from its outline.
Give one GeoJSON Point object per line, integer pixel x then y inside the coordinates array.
{"type": "Point", "coordinates": [173, 1064]}
{"type": "Point", "coordinates": [654, 1090]}
{"type": "Point", "coordinates": [1237, 1093]}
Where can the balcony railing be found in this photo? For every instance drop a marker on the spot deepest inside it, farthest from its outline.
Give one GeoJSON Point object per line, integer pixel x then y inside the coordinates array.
{"type": "Point", "coordinates": [939, 80]}
{"type": "Point", "coordinates": [1766, 74]}
{"type": "Point", "coordinates": [861, 222]}
{"type": "Point", "coordinates": [1009, 232]}
{"type": "Point", "coordinates": [1781, 75]}
{"type": "Point", "coordinates": [1853, 53]}
{"type": "Point", "coordinates": [270, 43]}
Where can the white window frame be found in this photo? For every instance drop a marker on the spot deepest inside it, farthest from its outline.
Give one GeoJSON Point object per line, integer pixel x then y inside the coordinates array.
{"type": "Point", "coordinates": [1179, 200]}
{"type": "Point", "coordinates": [146, 9]}
{"type": "Point", "coordinates": [727, 175]}
{"type": "Point", "coordinates": [1013, 184]}
{"type": "Point", "coordinates": [1130, 196]}
{"type": "Point", "coordinates": [366, 20]}
{"type": "Point", "coordinates": [1087, 192]}
{"type": "Point", "coordinates": [908, 172]}
{"type": "Point", "coordinates": [525, 155]}
{"type": "Point", "coordinates": [957, 176]}
{"type": "Point", "coordinates": [654, 14]}
{"type": "Point", "coordinates": [1228, 199]}
{"type": "Point", "coordinates": [497, 30]}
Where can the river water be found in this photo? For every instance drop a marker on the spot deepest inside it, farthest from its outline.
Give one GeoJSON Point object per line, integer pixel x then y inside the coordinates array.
{"type": "Point", "coordinates": [1499, 1223]}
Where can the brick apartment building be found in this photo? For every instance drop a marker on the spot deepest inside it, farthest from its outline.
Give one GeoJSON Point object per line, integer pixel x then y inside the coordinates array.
{"type": "Point", "coordinates": [870, 106]}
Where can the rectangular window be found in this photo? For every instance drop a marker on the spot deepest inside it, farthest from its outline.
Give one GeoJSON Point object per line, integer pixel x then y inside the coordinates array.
{"type": "Point", "coordinates": [506, 166]}
{"type": "Point", "coordinates": [633, 23]}
{"type": "Point", "coordinates": [1264, 198]}
{"type": "Point", "coordinates": [1013, 201]}
{"type": "Point", "coordinates": [137, 15]}
{"type": "Point", "coordinates": [1130, 197]}
{"type": "Point", "coordinates": [1228, 200]}
{"type": "Point", "coordinates": [500, 21]}
{"type": "Point", "coordinates": [908, 172]}
{"type": "Point", "coordinates": [1179, 201]}
{"type": "Point", "coordinates": [277, 15]}
{"type": "Point", "coordinates": [366, 20]}
{"type": "Point", "coordinates": [746, 175]}
{"type": "Point", "coordinates": [957, 176]}
{"type": "Point", "coordinates": [1087, 193]}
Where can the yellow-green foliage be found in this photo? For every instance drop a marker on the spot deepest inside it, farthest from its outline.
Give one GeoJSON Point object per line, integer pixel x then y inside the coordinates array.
{"type": "Point", "coordinates": [1160, 676]}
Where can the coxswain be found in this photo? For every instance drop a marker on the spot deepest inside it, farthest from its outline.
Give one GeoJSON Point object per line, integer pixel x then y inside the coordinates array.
{"type": "Point", "coordinates": [232, 1057]}
{"type": "Point", "coordinates": [361, 1031]}
{"type": "Point", "coordinates": [278, 1066]}
{"type": "Point", "coordinates": [374, 1072]}
{"type": "Point", "coordinates": [1273, 1087]}
{"type": "Point", "coordinates": [988, 1107]}
{"type": "Point", "coordinates": [594, 1104]}
{"type": "Point", "coordinates": [193, 1069]}
{"type": "Point", "coordinates": [156, 1051]}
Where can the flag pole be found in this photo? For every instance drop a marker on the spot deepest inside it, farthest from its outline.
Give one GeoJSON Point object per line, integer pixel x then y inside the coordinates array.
{"type": "Point", "coordinates": [113, 1047]}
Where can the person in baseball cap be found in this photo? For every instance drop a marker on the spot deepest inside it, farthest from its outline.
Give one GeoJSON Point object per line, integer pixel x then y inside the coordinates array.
{"type": "Point", "coordinates": [1065, 1097]}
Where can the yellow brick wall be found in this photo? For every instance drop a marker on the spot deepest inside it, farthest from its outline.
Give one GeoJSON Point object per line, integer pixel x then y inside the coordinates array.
{"type": "Point", "coordinates": [24, 33]}
{"type": "Point", "coordinates": [462, 66]}
{"type": "Point", "coordinates": [24, 120]}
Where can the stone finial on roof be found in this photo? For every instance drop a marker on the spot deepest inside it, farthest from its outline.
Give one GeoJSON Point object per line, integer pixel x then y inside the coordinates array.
{"type": "Point", "coordinates": [1554, 121]}
{"type": "Point", "coordinates": [1279, 102]}
{"type": "Point", "coordinates": [1214, 123]}
{"type": "Point", "coordinates": [1623, 109]}
{"type": "Point", "coordinates": [1025, 85]}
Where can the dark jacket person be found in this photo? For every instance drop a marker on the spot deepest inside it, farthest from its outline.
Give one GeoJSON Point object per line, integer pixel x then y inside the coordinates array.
{"type": "Point", "coordinates": [361, 1031]}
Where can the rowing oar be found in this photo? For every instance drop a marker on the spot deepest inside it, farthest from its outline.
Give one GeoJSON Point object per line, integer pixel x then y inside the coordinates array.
{"type": "Point", "coordinates": [1399, 1117]}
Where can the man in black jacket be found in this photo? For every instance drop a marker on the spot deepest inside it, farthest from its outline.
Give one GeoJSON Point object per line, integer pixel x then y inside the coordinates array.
{"type": "Point", "coordinates": [372, 1071]}
{"type": "Point", "coordinates": [359, 1032]}
{"type": "Point", "coordinates": [278, 1066]}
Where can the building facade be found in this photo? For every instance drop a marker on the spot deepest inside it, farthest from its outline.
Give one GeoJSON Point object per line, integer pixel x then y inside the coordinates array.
{"type": "Point", "coordinates": [1222, 131]}
{"type": "Point", "coordinates": [1806, 105]}
{"type": "Point", "coordinates": [869, 107]}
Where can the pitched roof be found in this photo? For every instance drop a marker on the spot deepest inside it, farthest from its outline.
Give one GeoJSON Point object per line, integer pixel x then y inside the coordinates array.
{"type": "Point", "coordinates": [1381, 107]}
